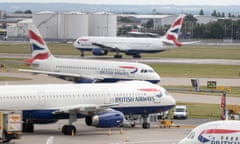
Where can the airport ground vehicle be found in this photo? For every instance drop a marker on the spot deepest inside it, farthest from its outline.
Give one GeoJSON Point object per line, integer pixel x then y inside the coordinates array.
{"type": "Point", "coordinates": [233, 110]}
{"type": "Point", "coordinates": [180, 111]}
{"type": "Point", "coordinates": [10, 126]}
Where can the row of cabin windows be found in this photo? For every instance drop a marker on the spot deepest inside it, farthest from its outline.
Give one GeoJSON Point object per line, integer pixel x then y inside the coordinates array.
{"type": "Point", "coordinates": [70, 96]}
{"type": "Point", "coordinates": [146, 71]}
{"type": "Point", "coordinates": [89, 68]}
{"type": "Point", "coordinates": [102, 69]}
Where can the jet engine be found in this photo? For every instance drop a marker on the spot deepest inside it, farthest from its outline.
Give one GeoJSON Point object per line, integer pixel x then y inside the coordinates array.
{"type": "Point", "coordinates": [106, 119]}
{"type": "Point", "coordinates": [99, 52]}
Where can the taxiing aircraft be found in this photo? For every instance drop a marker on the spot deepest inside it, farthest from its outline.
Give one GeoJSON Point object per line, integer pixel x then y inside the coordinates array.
{"type": "Point", "coordinates": [131, 46]}
{"type": "Point", "coordinates": [216, 132]}
{"type": "Point", "coordinates": [102, 105]}
{"type": "Point", "coordinates": [79, 70]}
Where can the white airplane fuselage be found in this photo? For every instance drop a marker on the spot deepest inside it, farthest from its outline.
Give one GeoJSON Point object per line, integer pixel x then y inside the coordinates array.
{"type": "Point", "coordinates": [105, 71]}
{"type": "Point", "coordinates": [216, 132]}
{"type": "Point", "coordinates": [135, 97]}
{"type": "Point", "coordinates": [126, 44]}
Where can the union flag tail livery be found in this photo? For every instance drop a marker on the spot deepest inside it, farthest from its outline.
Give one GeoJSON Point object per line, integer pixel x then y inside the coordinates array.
{"type": "Point", "coordinates": [174, 30]}
{"type": "Point", "coordinates": [39, 48]}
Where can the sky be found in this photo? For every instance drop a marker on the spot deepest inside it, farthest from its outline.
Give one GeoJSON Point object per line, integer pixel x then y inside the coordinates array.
{"type": "Point", "coordinates": [139, 2]}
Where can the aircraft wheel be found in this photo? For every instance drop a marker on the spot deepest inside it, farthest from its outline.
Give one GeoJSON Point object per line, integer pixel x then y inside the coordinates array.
{"type": "Point", "coordinates": [27, 127]}
{"type": "Point", "coordinates": [5, 137]}
{"type": "Point", "coordinates": [136, 56]}
{"type": "Point", "coordinates": [117, 56]}
{"type": "Point", "coordinates": [146, 125]}
{"type": "Point", "coordinates": [69, 130]}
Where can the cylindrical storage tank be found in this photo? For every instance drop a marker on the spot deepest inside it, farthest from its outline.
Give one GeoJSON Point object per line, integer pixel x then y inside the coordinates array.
{"type": "Point", "coordinates": [23, 26]}
{"type": "Point", "coordinates": [102, 24]}
{"type": "Point", "coordinates": [12, 30]}
{"type": "Point", "coordinates": [47, 23]}
{"type": "Point", "coordinates": [72, 25]}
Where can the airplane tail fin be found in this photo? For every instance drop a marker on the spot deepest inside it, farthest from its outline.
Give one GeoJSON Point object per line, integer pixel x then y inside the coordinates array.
{"type": "Point", "coordinates": [39, 48]}
{"type": "Point", "coordinates": [174, 30]}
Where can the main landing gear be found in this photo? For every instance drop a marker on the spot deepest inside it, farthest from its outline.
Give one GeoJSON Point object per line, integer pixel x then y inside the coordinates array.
{"type": "Point", "coordinates": [70, 129]}
{"type": "Point", "coordinates": [136, 56]}
{"type": "Point", "coordinates": [117, 55]}
{"type": "Point", "coordinates": [145, 124]}
{"type": "Point", "coordinates": [82, 53]}
{"type": "Point", "coordinates": [27, 126]}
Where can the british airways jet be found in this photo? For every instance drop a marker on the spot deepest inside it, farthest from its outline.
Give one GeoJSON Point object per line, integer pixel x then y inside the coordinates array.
{"type": "Point", "coordinates": [102, 105]}
{"type": "Point", "coordinates": [216, 132]}
{"type": "Point", "coordinates": [131, 46]}
{"type": "Point", "coordinates": [79, 70]}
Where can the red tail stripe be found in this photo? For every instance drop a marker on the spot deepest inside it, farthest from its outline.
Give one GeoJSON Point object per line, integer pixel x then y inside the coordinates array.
{"type": "Point", "coordinates": [218, 131]}
{"type": "Point", "coordinates": [149, 89]}
{"type": "Point", "coordinates": [128, 67]}
{"type": "Point", "coordinates": [32, 35]}
{"type": "Point", "coordinates": [178, 22]}
{"type": "Point", "coordinates": [40, 56]}
{"type": "Point", "coordinates": [173, 38]}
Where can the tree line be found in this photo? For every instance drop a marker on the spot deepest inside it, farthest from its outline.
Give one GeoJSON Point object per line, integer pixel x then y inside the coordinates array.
{"type": "Point", "coordinates": [223, 28]}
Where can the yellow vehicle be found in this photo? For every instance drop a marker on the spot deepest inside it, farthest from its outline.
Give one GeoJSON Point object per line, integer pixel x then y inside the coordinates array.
{"type": "Point", "coordinates": [10, 126]}
{"type": "Point", "coordinates": [235, 109]}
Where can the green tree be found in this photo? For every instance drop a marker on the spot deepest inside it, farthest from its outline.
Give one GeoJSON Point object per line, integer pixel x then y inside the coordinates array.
{"type": "Point", "coordinates": [28, 12]}
{"type": "Point", "coordinates": [214, 13]}
{"type": "Point", "coordinates": [201, 12]}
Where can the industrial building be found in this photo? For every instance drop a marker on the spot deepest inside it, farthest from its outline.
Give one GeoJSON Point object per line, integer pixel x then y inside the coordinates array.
{"type": "Point", "coordinates": [71, 25]}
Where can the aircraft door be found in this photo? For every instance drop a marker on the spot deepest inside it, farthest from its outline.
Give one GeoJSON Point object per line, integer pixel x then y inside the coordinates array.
{"type": "Point", "coordinates": [107, 98]}
{"type": "Point", "coordinates": [42, 98]}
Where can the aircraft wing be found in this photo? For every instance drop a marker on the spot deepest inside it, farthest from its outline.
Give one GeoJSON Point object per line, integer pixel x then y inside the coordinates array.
{"type": "Point", "coordinates": [190, 42]}
{"type": "Point", "coordinates": [84, 108]}
{"type": "Point", "coordinates": [112, 47]}
{"type": "Point", "coordinates": [96, 78]}
{"type": "Point", "coordinates": [171, 43]}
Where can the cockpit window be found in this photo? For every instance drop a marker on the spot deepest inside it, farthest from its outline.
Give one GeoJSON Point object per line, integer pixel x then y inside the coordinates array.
{"type": "Point", "coordinates": [146, 71]}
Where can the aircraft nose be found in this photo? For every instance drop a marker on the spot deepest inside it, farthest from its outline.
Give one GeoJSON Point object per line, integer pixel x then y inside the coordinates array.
{"type": "Point", "coordinates": [76, 43]}
{"type": "Point", "coordinates": [155, 78]}
{"type": "Point", "coordinates": [171, 100]}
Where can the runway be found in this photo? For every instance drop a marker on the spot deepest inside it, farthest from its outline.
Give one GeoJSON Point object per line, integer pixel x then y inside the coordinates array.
{"type": "Point", "coordinates": [91, 135]}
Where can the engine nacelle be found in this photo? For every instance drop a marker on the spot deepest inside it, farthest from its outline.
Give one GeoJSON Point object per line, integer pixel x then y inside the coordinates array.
{"type": "Point", "coordinates": [99, 52]}
{"type": "Point", "coordinates": [106, 119]}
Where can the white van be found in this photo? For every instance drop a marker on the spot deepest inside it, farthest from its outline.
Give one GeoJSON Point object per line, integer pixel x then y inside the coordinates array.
{"type": "Point", "coordinates": [180, 111]}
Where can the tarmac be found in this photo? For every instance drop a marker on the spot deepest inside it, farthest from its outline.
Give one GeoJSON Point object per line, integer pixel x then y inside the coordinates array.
{"type": "Point", "coordinates": [91, 135]}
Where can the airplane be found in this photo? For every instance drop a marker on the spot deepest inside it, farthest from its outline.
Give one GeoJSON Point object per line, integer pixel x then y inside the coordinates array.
{"type": "Point", "coordinates": [81, 71]}
{"type": "Point", "coordinates": [215, 132]}
{"type": "Point", "coordinates": [131, 46]}
{"type": "Point", "coordinates": [103, 105]}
